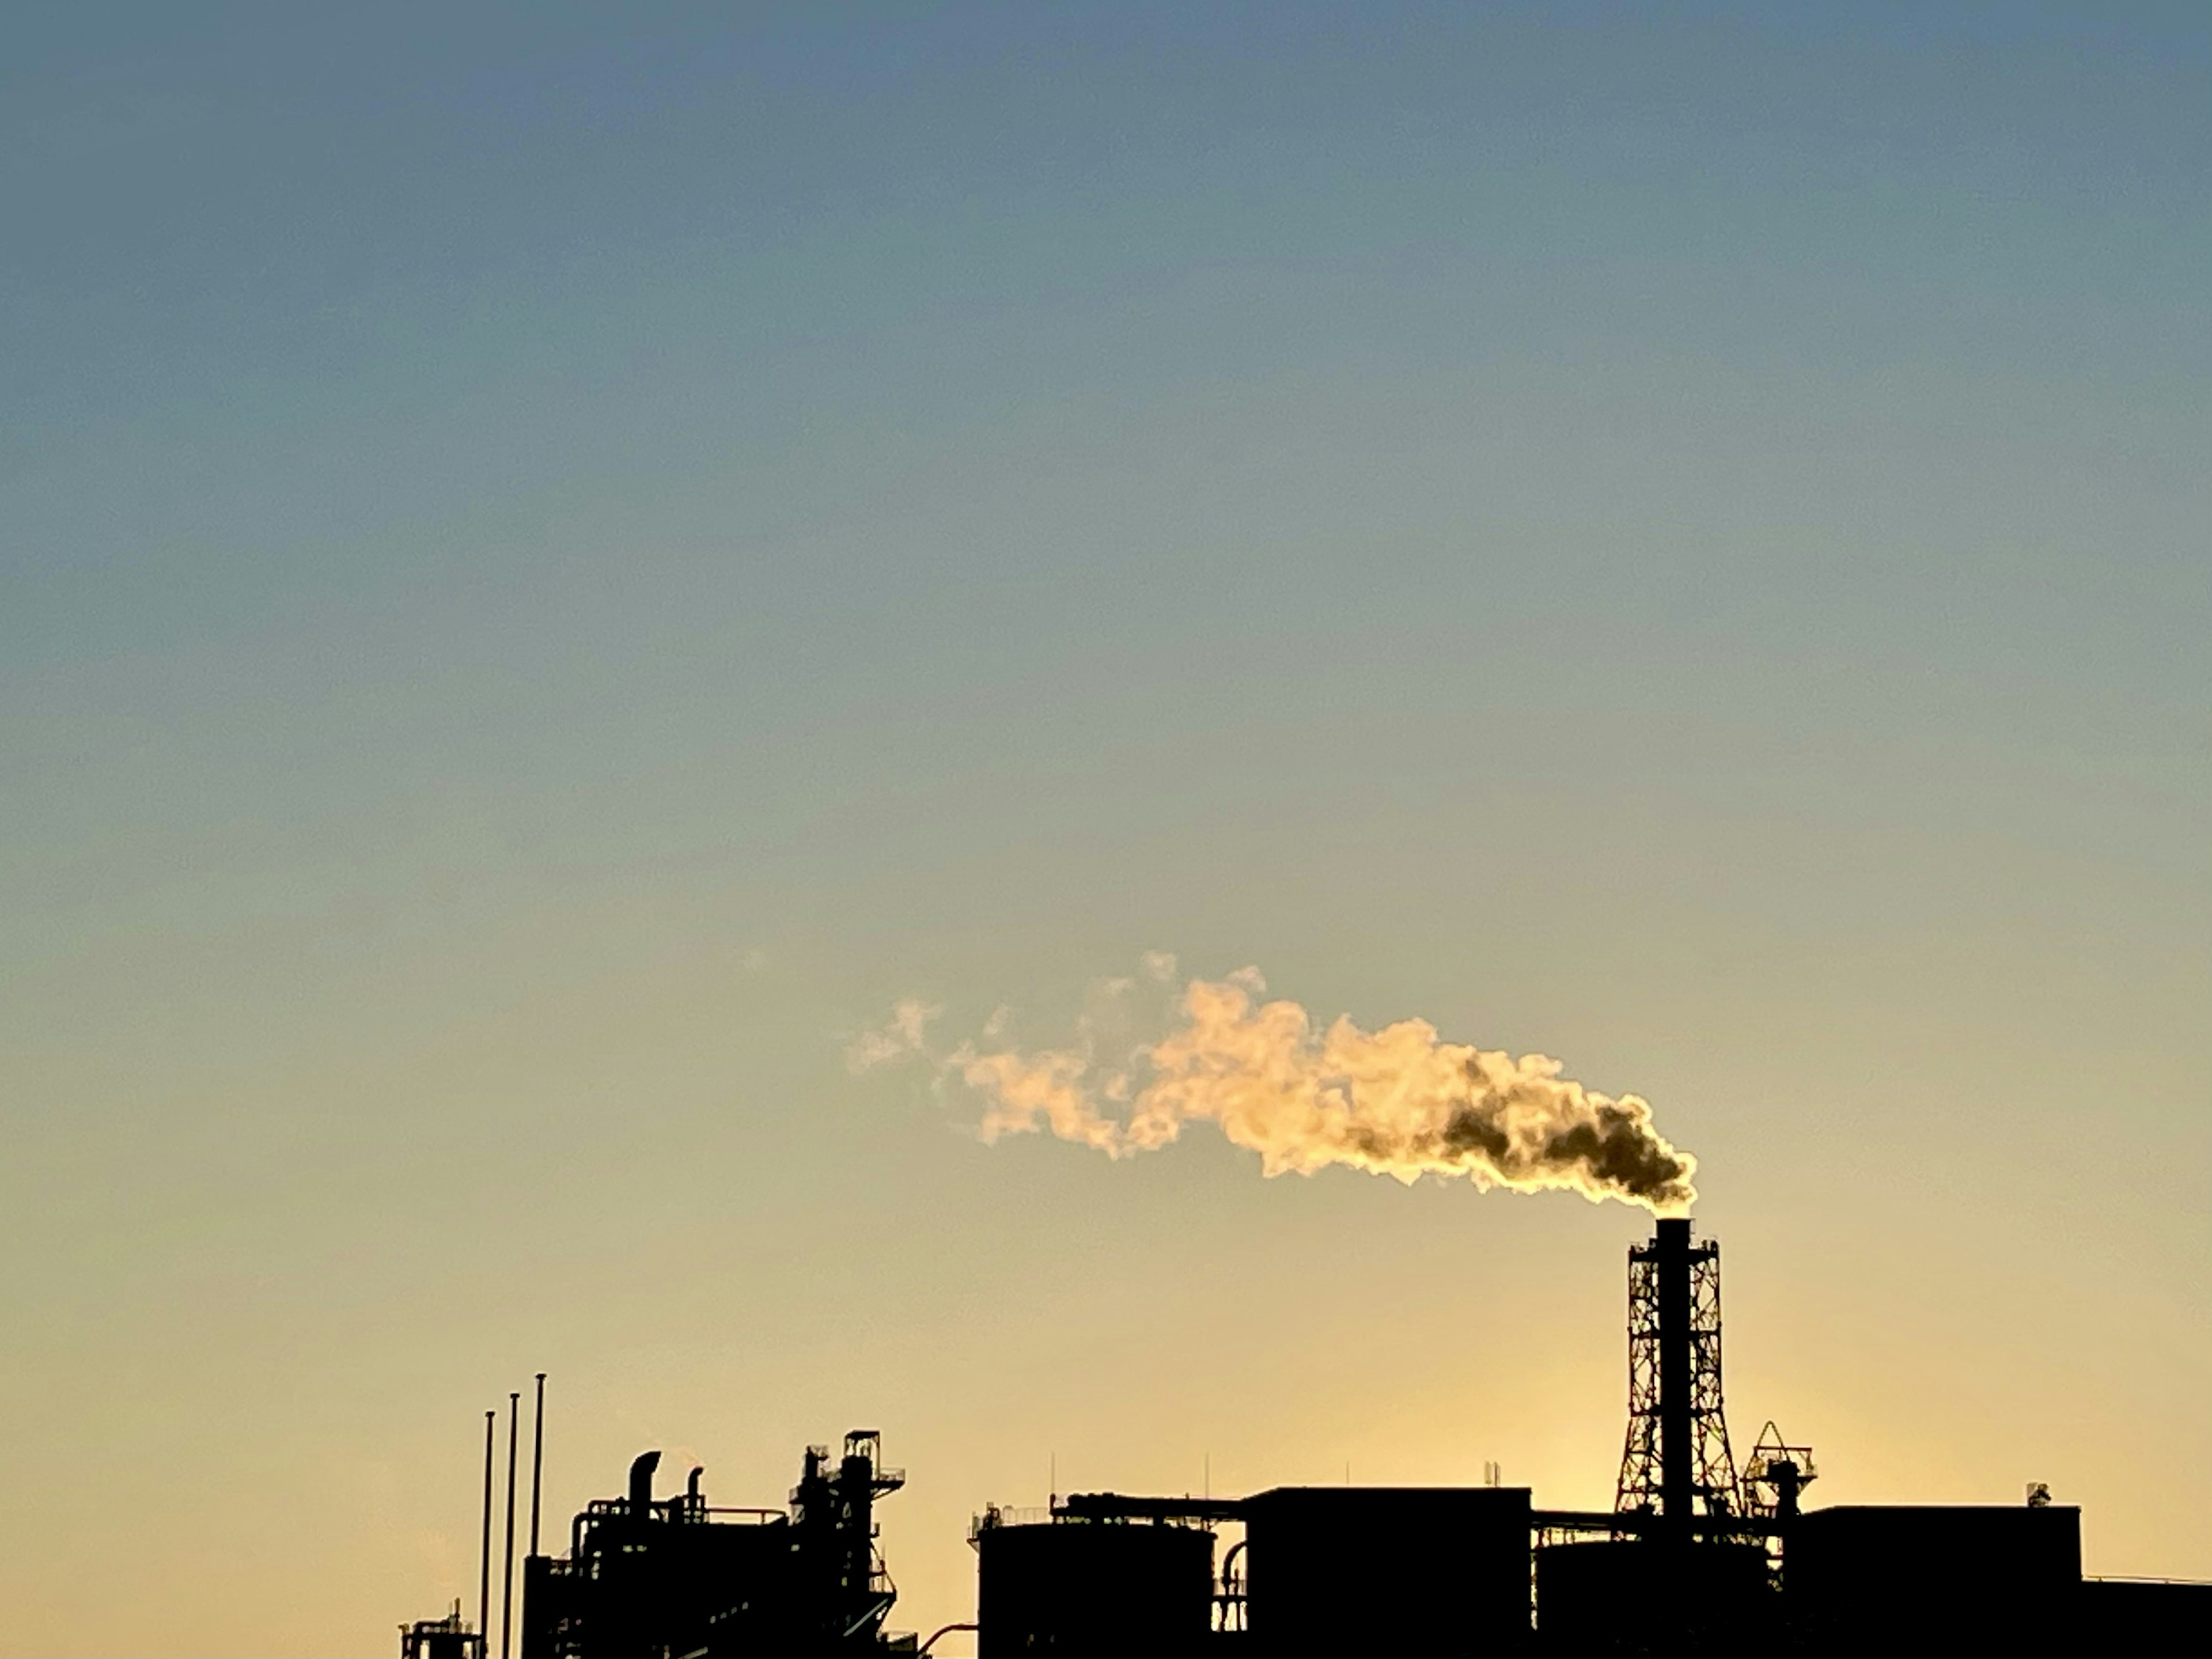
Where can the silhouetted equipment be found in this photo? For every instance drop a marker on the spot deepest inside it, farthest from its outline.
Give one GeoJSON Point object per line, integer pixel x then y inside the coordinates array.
{"type": "Point", "coordinates": [1412, 1570]}
{"type": "Point", "coordinates": [656, 1578]}
{"type": "Point", "coordinates": [1088, 1588]}
{"type": "Point", "coordinates": [507, 1573]}
{"type": "Point", "coordinates": [537, 1459]}
{"type": "Point", "coordinates": [1121, 1506]}
{"type": "Point", "coordinates": [1775, 1477]}
{"type": "Point", "coordinates": [1695, 1557]}
{"type": "Point", "coordinates": [449, 1637]}
{"type": "Point", "coordinates": [484, 1556]}
{"type": "Point", "coordinates": [1676, 1461]}
{"type": "Point", "coordinates": [1683, 1566]}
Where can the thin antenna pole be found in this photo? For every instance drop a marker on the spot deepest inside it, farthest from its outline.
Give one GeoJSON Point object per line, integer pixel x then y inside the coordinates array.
{"type": "Point", "coordinates": [536, 1460]}
{"type": "Point", "coordinates": [484, 1556]}
{"type": "Point", "coordinates": [507, 1584]}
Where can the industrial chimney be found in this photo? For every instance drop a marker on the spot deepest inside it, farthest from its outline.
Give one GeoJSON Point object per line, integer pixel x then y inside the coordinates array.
{"type": "Point", "coordinates": [1676, 1464]}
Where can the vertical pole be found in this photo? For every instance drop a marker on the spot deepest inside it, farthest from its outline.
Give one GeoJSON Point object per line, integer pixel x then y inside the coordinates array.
{"type": "Point", "coordinates": [507, 1579]}
{"type": "Point", "coordinates": [484, 1556]}
{"type": "Point", "coordinates": [1677, 1456]}
{"type": "Point", "coordinates": [536, 1460]}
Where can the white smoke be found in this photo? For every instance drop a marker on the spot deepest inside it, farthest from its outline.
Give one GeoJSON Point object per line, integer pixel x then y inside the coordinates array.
{"type": "Point", "coordinates": [1399, 1101]}
{"type": "Point", "coordinates": [900, 1037]}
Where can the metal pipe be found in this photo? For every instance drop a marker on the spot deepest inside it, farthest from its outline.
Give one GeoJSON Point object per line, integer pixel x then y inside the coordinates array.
{"type": "Point", "coordinates": [483, 1554]}
{"type": "Point", "coordinates": [506, 1581]}
{"type": "Point", "coordinates": [537, 1459]}
{"type": "Point", "coordinates": [1121, 1506]}
{"type": "Point", "coordinates": [947, 1630]}
{"type": "Point", "coordinates": [1677, 1455]}
{"type": "Point", "coordinates": [1615, 1522]}
{"type": "Point", "coordinates": [640, 1483]}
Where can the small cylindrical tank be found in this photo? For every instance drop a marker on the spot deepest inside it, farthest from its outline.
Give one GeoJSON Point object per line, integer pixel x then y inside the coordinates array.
{"type": "Point", "coordinates": [1092, 1587]}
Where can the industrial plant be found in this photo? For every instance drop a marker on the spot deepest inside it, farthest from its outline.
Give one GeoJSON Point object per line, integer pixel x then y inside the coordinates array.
{"type": "Point", "coordinates": [1701, 1553]}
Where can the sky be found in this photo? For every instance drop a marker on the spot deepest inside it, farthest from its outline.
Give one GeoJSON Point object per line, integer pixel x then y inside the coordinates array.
{"type": "Point", "coordinates": [556, 561]}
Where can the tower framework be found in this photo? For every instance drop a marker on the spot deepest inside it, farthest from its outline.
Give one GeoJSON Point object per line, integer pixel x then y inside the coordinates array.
{"type": "Point", "coordinates": [1676, 1462]}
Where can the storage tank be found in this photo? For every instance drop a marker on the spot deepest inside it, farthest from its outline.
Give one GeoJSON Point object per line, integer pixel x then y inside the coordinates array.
{"type": "Point", "coordinates": [1093, 1587]}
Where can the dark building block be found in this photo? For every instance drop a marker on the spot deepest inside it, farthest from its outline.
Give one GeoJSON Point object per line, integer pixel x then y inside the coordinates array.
{"type": "Point", "coordinates": [1616, 1598]}
{"type": "Point", "coordinates": [1079, 1588]}
{"type": "Point", "coordinates": [2126, 1618]}
{"type": "Point", "coordinates": [1934, 1579]}
{"type": "Point", "coordinates": [1418, 1572]}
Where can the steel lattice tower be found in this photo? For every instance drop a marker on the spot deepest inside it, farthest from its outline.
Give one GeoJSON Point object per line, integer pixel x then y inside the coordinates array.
{"type": "Point", "coordinates": [1676, 1463]}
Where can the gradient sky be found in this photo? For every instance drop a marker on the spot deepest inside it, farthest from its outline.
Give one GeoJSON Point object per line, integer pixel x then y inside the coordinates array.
{"type": "Point", "coordinates": [555, 560]}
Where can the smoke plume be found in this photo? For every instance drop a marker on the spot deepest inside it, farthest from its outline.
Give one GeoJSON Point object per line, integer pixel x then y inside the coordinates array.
{"type": "Point", "coordinates": [1399, 1101]}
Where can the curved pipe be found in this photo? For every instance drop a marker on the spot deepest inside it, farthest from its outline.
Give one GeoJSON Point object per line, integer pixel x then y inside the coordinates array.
{"type": "Point", "coordinates": [640, 1482]}
{"type": "Point", "coordinates": [932, 1643]}
{"type": "Point", "coordinates": [1229, 1562]}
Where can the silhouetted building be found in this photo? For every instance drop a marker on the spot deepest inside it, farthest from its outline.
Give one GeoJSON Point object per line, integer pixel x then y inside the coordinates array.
{"type": "Point", "coordinates": [1935, 1578]}
{"type": "Point", "coordinates": [1696, 1557]}
{"type": "Point", "coordinates": [656, 1578]}
{"type": "Point", "coordinates": [2143, 1616]}
{"type": "Point", "coordinates": [1429, 1572]}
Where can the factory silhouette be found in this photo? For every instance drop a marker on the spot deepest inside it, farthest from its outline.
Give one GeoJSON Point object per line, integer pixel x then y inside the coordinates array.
{"type": "Point", "coordinates": [1700, 1554]}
